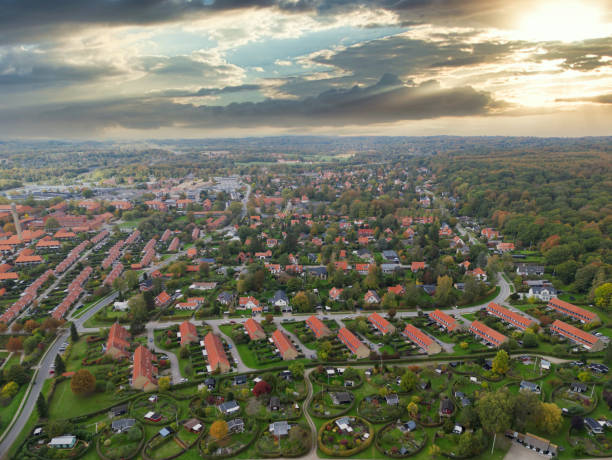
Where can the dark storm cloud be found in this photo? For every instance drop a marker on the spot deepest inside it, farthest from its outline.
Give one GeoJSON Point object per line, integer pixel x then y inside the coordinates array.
{"type": "Point", "coordinates": [29, 20]}
{"type": "Point", "coordinates": [386, 101]}
{"type": "Point", "coordinates": [207, 91]}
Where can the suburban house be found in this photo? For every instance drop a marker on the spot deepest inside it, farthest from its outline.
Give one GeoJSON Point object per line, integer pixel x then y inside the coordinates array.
{"type": "Point", "coordinates": [229, 407]}
{"type": "Point", "coordinates": [117, 344]}
{"type": "Point", "coordinates": [519, 321]}
{"type": "Point", "coordinates": [284, 345]}
{"type": "Point", "coordinates": [247, 302]}
{"type": "Point", "coordinates": [188, 333]}
{"type": "Point", "coordinates": [371, 297]}
{"type": "Point", "coordinates": [542, 293]}
{"type": "Point", "coordinates": [530, 386]}
{"type": "Point", "coordinates": [444, 320]}
{"type": "Point", "coordinates": [416, 266]}
{"type": "Point", "coordinates": [144, 374]}
{"type": "Point", "coordinates": [67, 441]}
{"type": "Point", "coordinates": [353, 343]}
{"type": "Point", "coordinates": [488, 334]}
{"type": "Point", "coordinates": [281, 300]}
{"type": "Point", "coordinates": [398, 290]}
{"type": "Point", "coordinates": [235, 425]}
{"type": "Point", "coordinates": [217, 359]}
{"type": "Point", "coordinates": [422, 340]}
{"type": "Point", "coordinates": [163, 299]}
{"type": "Point", "coordinates": [335, 293]}
{"type": "Point", "coordinates": [319, 328]}
{"type": "Point", "coordinates": [575, 312]}
{"type": "Point", "coordinates": [478, 273]}
{"type": "Point", "coordinates": [226, 298]}
{"type": "Point", "coordinates": [254, 329]}
{"type": "Point", "coordinates": [578, 336]}
{"type": "Point", "coordinates": [380, 323]}
{"type": "Point", "coordinates": [529, 269]}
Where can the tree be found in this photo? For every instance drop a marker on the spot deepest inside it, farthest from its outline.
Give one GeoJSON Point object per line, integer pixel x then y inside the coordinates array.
{"type": "Point", "coordinates": [413, 409]}
{"type": "Point", "coordinates": [301, 302]}
{"type": "Point", "coordinates": [9, 390]}
{"type": "Point", "coordinates": [530, 340]}
{"type": "Point", "coordinates": [17, 373]}
{"type": "Point", "coordinates": [131, 279]}
{"type": "Point", "coordinates": [41, 405]}
{"type": "Point", "coordinates": [372, 279]}
{"type": "Point", "coordinates": [14, 344]}
{"type": "Point", "coordinates": [434, 450]}
{"type": "Point", "coordinates": [269, 318]}
{"type": "Point", "coordinates": [60, 366]}
{"type": "Point", "coordinates": [178, 269]}
{"type": "Point", "coordinates": [526, 407]}
{"type": "Point", "coordinates": [184, 352]}
{"type": "Point", "coordinates": [17, 327]}
{"type": "Point", "coordinates": [218, 429]}
{"type": "Point", "coordinates": [409, 381]}
{"type": "Point", "coordinates": [297, 369]}
{"type": "Point", "coordinates": [164, 383]}
{"type": "Point", "coordinates": [469, 444]}
{"type": "Point", "coordinates": [501, 362]}
{"type": "Point", "coordinates": [444, 291]}
{"type": "Point", "coordinates": [138, 308]}
{"type": "Point", "coordinates": [495, 410]}
{"type": "Point", "coordinates": [603, 296]}
{"type": "Point", "coordinates": [262, 387]}
{"type": "Point", "coordinates": [549, 417]}
{"type": "Point", "coordinates": [29, 344]}
{"type": "Point", "coordinates": [30, 325]}
{"type": "Point", "coordinates": [51, 224]}
{"type": "Point", "coordinates": [74, 335]}
{"type": "Point", "coordinates": [83, 382]}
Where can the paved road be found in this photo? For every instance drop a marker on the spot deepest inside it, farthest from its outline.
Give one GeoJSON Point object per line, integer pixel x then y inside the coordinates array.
{"type": "Point", "coordinates": [175, 369]}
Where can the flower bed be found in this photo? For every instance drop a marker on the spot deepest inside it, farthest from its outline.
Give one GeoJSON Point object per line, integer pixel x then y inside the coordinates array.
{"type": "Point", "coordinates": [322, 406]}
{"type": "Point", "coordinates": [295, 444]}
{"type": "Point", "coordinates": [375, 409]}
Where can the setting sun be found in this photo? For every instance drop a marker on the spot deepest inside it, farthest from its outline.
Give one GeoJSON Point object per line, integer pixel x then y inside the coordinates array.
{"type": "Point", "coordinates": [563, 21]}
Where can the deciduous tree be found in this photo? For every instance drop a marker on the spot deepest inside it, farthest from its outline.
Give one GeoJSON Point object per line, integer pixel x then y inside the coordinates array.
{"type": "Point", "coordinates": [83, 382]}
{"type": "Point", "coordinates": [218, 429]}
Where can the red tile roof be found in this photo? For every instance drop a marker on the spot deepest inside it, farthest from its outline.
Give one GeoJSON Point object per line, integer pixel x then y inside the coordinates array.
{"type": "Point", "coordinates": [573, 333]}
{"type": "Point", "coordinates": [445, 320]}
{"type": "Point", "coordinates": [163, 298]}
{"type": "Point", "coordinates": [216, 354]}
{"type": "Point", "coordinates": [572, 310]}
{"type": "Point", "coordinates": [143, 364]}
{"type": "Point", "coordinates": [118, 338]}
{"type": "Point", "coordinates": [487, 333]}
{"type": "Point", "coordinates": [509, 316]}
{"type": "Point", "coordinates": [254, 329]}
{"type": "Point", "coordinates": [349, 339]}
{"type": "Point", "coordinates": [317, 326]}
{"type": "Point", "coordinates": [282, 342]}
{"type": "Point", "coordinates": [188, 333]}
{"type": "Point", "coordinates": [379, 322]}
{"type": "Point", "coordinates": [417, 336]}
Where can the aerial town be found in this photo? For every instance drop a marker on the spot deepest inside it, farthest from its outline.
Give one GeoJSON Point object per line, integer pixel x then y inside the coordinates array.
{"type": "Point", "coordinates": [311, 309]}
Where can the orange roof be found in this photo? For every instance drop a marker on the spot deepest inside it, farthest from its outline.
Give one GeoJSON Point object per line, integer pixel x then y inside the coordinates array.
{"type": "Point", "coordinates": [571, 309]}
{"type": "Point", "coordinates": [379, 322]}
{"type": "Point", "coordinates": [349, 339]}
{"type": "Point", "coordinates": [143, 364]}
{"type": "Point", "coordinates": [188, 332]}
{"type": "Point", "coordinates": [573, 333]}
{"type": "Point", "coordinates": [487, 333]}
{"type": "Point", "coordinates": [5, 268]}
{"type": "Point", "coordinates": [162, 298]}
{"type": "Point", "coordinates": [282, 342]}
{"type": "Point", "coordinates": [21, 259]}
{"type": "Point", "coordinates": [214, 350]}
{"type": "Point", "coordinates": [445, 320]}
{"type": "Point", "coordinates": [417, 266]}
{"type": "Point", "coordinates": [508, 315]}
{"type": "Point", "coordinates": [254, 329]}
{"type": "Point", "coordinates": [397, 290]}
{"type": "Point", "coordinates": [317, 326]}
{"type": "Point", "coordinates": [8, 276]}
{"type": "Point", "coordinates": [417, 336]}
{"type": "Point", "coordinates": [118, 338]}
{"type": "Point", "coordinates": [47, 243]}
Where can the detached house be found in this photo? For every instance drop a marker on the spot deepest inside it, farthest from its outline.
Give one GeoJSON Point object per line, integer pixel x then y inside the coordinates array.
{"type": "Point", "coordinates": [248, 303]}
{"type": "Point", "coordinates": [371, 297]}
{"type": "Point", "coordinates": [335, 294]}
{"type": "Point", "coordinates": [416, 266]}
{"type": "Point", "coordinates": [163, 299]}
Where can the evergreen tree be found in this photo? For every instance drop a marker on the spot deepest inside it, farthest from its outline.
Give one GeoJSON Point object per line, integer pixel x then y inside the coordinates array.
{"type": "Point", "coordinates": [60, 367]}
{"type": "Point", "coordinates": [74, 335]}
{"type": "Point", "coordinates": [41, 405]}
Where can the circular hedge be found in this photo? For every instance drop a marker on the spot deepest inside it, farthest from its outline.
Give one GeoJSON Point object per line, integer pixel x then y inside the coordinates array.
{"type": "Point", "coordinates": [330, 430]}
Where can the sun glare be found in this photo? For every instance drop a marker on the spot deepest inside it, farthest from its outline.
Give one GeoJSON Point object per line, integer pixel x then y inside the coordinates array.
{"type": "Point", "coordinates": [564, 21]}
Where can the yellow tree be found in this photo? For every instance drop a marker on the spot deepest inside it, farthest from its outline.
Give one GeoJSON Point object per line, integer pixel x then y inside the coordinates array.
{"type": "Point", "coordinates": [164, 383]}
{"type": "Point", "coordinates": [412, 409]}
{"type": "Point", "coordinates": [501, 362]}
{"type": "Point", "coordinates": [218, 429]}
{"type": "Point", "coordinates": [549, 417]}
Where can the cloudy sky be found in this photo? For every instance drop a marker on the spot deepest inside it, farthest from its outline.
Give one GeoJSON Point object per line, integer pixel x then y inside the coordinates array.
{"type": "Point", "coordinates": [192, 68]}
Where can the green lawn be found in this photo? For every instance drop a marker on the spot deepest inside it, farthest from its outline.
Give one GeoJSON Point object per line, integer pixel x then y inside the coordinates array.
{"type": "Point", "coordinates": [7, 413]}
{"type": "Point", "coordinates": [66, 404]}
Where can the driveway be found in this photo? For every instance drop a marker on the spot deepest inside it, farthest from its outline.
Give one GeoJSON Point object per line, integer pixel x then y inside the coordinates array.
{"type": "Point", "coordinates": [175, 370]}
